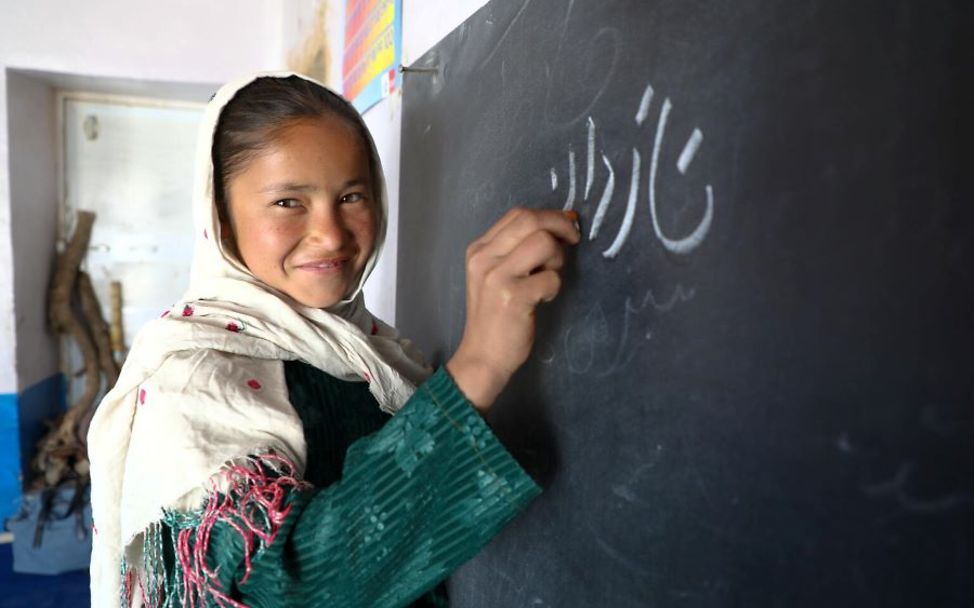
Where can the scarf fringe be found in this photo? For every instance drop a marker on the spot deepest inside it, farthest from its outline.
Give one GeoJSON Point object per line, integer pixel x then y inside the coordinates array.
{"type": "Point", "coordinates": [252, 503]}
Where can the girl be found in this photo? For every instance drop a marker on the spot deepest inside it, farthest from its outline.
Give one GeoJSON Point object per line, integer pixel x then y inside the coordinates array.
{"type": "Point", "coordinates": [246, 456]}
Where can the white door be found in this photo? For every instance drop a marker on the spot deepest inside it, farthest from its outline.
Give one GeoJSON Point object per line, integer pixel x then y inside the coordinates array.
{"type": "Point", "coordinates": [130, 162]}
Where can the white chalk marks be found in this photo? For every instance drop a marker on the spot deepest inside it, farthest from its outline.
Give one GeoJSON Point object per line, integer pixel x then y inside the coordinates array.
{"type": "Point", "coordinates": [689, 151]}
{"type": "Point", "coordinates": [603, 344]}
{"type": "Point", "coordinates": [570, 201]}
{"type": "Point", "coordinates": [607, 338]}
{"type": "Point", "coordinates": [897, 489]}
{"type": "Point", "coordinates": [590, 157]}
{"type": "Point", "coordinates": [644, 105]}
{"type": "Point", "coordinates": [681, 245]}
{"type": "Point", "coordinates": [623, 233]}
{"type": "Point", "coordinates": [691, 242]}
{"type": "Point", "coordinates": [610, 186]}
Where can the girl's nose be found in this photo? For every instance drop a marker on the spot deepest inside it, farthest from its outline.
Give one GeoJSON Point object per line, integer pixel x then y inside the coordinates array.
{"type": "Point", "coordinates": [326, 229]}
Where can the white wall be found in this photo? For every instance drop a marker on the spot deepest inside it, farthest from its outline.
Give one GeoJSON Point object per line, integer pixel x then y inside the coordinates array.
{"type": "Point", "coordinates": [424, 23]}
{"type": "Point", "coordinates": [33, 214]}
{"type": "Point", "coordinates": [176, 41]}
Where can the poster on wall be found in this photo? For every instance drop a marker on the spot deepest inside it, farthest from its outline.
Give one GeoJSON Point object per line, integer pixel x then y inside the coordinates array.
{"type": "Point", "coordinates": [373, 45]}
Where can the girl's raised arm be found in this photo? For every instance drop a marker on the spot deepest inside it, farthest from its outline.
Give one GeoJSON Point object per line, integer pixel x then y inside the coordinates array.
{"type": "Point", "coordinates": [511, 269]}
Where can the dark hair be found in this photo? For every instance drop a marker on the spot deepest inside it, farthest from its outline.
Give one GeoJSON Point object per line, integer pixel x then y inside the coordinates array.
{"type": "Point", "coordinates": [248, 123]}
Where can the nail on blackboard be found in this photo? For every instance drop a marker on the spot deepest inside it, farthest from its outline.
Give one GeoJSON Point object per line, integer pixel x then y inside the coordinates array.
{"type": "Point", "coordinates": [404, 68]}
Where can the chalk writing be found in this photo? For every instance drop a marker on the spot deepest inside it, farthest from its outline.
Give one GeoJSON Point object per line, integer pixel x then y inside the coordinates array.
{"type": "Point", "coordinates": [644, 105]}
{"type": "Point", "coordinates": [570, 201]}
{"type": "Point", "coordinates": [689, 151]}
{"type": "Point", "coordinates": [582, 339]}
{"type": "Point", "coordinates": [623, 233]}
{"type": "Point", "coordinates": [589, 341]}
{"type": "Point", "coordinates": [682, 246]}
{"type": "Point", "coordinates": [896, 488]}
{"type": "Point", "coordinates": [590, 157]}
{"type": "Point", "coordinates": [610, 185]}
{"type": "Point", "coordinates": [691, 242]}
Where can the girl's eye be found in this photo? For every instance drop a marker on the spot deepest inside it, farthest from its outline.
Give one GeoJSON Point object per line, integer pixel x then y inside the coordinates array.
{"type": "Point", "coordinates": [287, 203]}
{"type": "Point", "coordinates": [354, 197]}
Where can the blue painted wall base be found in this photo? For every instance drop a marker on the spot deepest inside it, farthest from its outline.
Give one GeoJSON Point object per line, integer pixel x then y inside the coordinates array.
{"type": "Point", "coordinates": [22, 420]}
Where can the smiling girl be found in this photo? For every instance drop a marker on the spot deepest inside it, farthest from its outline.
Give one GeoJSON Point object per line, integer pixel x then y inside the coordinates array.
{"type": "Point", "coordinates": [269, 441]}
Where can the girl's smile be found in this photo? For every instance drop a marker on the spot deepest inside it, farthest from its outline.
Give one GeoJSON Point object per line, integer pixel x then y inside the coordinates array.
{"type": "Point", "coordinates": [302, 211]}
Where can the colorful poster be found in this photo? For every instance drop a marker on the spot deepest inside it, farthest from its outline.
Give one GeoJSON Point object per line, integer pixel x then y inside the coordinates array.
{"type": "Point", "coordinates": [373, 45]}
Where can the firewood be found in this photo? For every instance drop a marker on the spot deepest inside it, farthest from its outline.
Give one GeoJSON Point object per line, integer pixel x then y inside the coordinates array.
{"type": "Point", "coordinates": [98, 327]}
{"type": "Point", "coordinates": [65, 272]}
{"type": "Point", "coordinates": [60, 450]}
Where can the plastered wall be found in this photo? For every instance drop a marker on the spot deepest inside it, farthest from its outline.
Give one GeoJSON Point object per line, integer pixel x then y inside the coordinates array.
{"type": "Point", "coordinates": [178, 41]}
{"type": "Point", "coordinates": [424, 22]}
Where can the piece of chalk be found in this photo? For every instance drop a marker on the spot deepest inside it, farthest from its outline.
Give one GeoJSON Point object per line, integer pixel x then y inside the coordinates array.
{"type": "Point", "coordinates": [573, 216]}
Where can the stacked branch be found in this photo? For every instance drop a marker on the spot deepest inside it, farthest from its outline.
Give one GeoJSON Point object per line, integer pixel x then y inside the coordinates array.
{"type": "Point", "coordinates": [61, 453]}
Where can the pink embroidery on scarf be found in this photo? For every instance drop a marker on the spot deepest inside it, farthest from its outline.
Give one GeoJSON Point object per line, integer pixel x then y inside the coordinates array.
{"type": "Point", "coordinates": [231, 326]}
{"type": "Point", "coordinates": [187, 311]}
{"type": "Point", "coordinates": [205, 235]}
{"type": "Point", "coordinates": [253, 505]}
{"type": "Point", "coordinates": [252, 383]}
{"type": "Point", "coordinates": [164, 314]}
{"type": "Point", "coordinates": [141, 396]}
{"type": "Point", "coordinates": [367, 376]}
{"type": "Point", "coordinates": [127, 586]}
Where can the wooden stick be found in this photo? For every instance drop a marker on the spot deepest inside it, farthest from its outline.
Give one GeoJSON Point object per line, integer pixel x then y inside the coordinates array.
{"type": "Point", "coordinates": [59, 447]}
{"type": "Point", "coordinates": [98, 327]}
{"type": "Point", "coordinates": [65, 272]}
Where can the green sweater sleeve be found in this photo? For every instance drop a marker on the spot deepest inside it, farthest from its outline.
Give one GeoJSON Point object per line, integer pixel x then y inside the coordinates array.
{"type": "Point", "coordinates": [416, 499]}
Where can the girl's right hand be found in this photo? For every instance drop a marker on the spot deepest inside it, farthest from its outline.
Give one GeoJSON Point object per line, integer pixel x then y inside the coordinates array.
{"type": "Point", "coordinates": [511, 269]}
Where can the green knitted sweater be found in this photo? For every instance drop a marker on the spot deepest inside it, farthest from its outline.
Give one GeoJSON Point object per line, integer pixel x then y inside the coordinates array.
{"type": "Point", "coordinates": [395, 503]}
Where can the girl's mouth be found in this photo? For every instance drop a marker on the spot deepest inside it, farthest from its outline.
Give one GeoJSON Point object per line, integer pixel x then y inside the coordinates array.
{"type": "Point", "coordinates": [324, 266]}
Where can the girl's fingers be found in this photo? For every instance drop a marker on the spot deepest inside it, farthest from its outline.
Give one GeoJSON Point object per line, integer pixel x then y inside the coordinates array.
{"type": "Point", "coordinates": [519, 224]}
{"type": "Point", "coordinates": [538, 251]}
{"type": "Point", "coordinates": [511, 216]}
{"type": "Point", "coordinates": [540, 287]}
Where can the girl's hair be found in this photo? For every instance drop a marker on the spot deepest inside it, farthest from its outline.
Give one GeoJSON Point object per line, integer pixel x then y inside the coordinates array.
{"type": "Point", "coordinates": [249, 122]}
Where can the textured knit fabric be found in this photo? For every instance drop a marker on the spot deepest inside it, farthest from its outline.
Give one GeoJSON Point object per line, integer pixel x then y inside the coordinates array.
{"type": "Point", "coordinates": [413, 497]}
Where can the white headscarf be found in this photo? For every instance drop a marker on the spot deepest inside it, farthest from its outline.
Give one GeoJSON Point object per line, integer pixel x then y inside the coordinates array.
{"type": "Point", "coordinates": [204, 385]}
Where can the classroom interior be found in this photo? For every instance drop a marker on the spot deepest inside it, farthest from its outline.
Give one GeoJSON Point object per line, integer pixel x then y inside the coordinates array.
{"type": "Point", "coordinates": [755, 389]}
{"type": "Point", "coordinates": [145, 69]}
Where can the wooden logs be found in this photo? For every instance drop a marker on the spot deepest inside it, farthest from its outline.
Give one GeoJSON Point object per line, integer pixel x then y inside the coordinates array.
{"type": "Point", "coordinates": [61, 452]}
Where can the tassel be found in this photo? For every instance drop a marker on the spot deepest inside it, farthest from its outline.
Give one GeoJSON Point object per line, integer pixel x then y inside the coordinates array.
{"type": "Point", "coordinates": [252, 504]}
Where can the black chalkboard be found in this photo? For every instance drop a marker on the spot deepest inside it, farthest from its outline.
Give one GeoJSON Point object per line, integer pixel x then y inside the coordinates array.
{"type": "Point", "coordinates": [763, 401]}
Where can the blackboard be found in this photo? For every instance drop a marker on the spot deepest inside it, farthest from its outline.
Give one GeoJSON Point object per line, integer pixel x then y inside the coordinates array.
{"type": "Point", "coordinates": [762, 394]}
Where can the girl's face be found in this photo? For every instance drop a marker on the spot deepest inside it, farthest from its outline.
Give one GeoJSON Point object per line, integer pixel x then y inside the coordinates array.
{"type": "Point", "coordinates": [302, 212]}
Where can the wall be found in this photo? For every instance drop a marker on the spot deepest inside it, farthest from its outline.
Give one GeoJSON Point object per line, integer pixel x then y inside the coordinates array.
{"type": "Point", "coordinates": [176, 49]}
{"type": "Point", "coordinates": [178, 41]}
{"type": "Point", "coordinates": [424, 23]}
{"type": "Point", "coordinates": [33, 188]}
